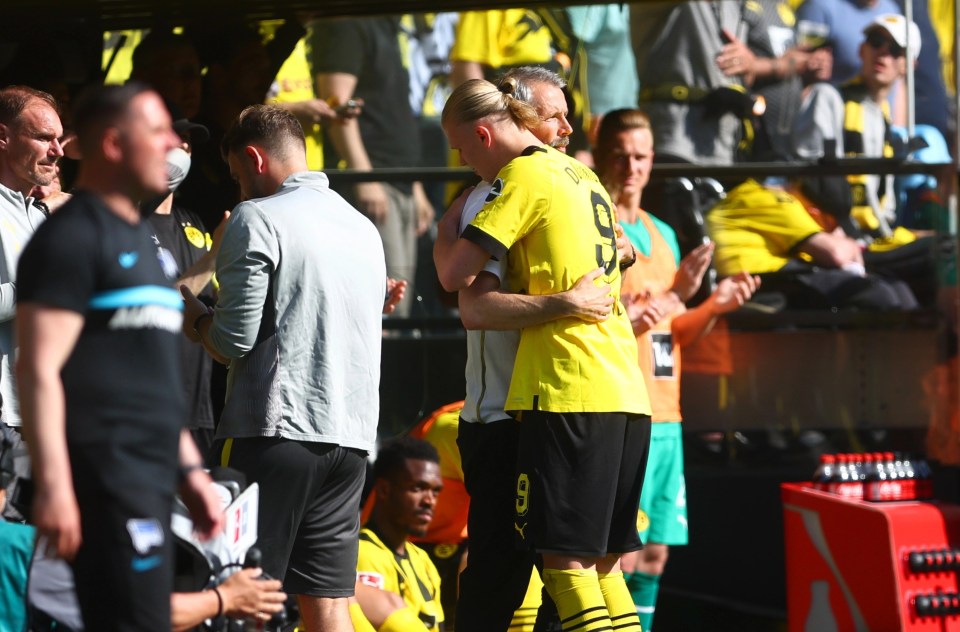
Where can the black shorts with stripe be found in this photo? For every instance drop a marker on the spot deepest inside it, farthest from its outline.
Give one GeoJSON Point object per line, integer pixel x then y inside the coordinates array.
{"type": "Point", "coordinates": [579, 479]}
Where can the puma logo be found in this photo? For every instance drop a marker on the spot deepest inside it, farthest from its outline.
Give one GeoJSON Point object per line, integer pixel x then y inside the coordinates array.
{"type": "Point", "coordinates": [520, 530]}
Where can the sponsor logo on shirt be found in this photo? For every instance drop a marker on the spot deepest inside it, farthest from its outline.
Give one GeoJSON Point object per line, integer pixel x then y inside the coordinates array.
{"type": "Point", "coordinates": [662, 344]}
{"type": "Point", "coordinates": [147, 317]}
{"type": "Point", "coordinates": [143, 564]}
{"type": "Point", "coordinates": [167, 263]}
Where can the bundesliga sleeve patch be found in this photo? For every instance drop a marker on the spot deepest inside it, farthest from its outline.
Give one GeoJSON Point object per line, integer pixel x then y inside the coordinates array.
{"type": "Point", "coordinates": [374, 580]}
{"type": "Point", "coordinates": [495, 191]}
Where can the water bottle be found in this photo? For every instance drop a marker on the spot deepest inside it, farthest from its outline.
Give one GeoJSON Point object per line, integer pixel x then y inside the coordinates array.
{"type": "Point", "coordinates": [867, 472]}
{"type": "Point", "coordinates": [894, 490]}
{"type": "Point", "coordinates": [877, 484]}
{"type": "Point", "coordinates": [845, 482]}
{"type": "Point", "coordinates": [909, 478]}
{"type": "Point", "coordinates": [824, 472]}
{"type": "Point", "coordinates": [924, 480]}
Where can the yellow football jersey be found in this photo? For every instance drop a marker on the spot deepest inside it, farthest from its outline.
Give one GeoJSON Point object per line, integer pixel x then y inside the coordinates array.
{"type": "Point", "coordinates": [555, 218]}
{"type": "Point", "coordinates": [413, 577]}
{"type": "Point", "coordinates": [513, 37]}
{"type": "Point", "coordinates": [294, 83]}
{"type": "Point", "coordinates": [756, 229]}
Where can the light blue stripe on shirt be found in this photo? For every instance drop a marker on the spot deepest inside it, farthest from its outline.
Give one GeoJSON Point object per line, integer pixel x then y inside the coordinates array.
{"type": "Point", "coordinates": [138, 296]}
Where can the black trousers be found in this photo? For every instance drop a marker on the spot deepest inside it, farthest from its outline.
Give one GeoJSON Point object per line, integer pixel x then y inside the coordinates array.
{"type": "Point", "coordinates": [495, 580]}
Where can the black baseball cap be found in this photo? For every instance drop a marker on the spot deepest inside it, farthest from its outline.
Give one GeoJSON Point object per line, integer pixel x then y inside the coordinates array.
{"type": "Point", "coordinates": [181, 125]}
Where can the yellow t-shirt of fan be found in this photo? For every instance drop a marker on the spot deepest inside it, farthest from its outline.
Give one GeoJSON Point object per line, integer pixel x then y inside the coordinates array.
{"type": "Point", "coordinates": [556, 220]}
{"type": "Point", "coordinates": [510, 37]}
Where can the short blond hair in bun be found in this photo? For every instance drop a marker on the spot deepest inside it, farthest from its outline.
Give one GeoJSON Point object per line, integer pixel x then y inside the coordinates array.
{"type": "Point", "coordinates": [477, 98]}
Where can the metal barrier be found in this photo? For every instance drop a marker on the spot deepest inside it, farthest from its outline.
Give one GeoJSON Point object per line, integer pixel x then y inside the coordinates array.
{"type": "Point", "coordinates": [840, 166]}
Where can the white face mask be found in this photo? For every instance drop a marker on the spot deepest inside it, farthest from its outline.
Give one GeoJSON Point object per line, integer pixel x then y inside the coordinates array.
{"type": "Point", "coordinates": [178, 166]}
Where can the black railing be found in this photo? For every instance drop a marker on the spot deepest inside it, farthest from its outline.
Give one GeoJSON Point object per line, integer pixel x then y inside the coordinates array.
{"type": "Point", "coordinates": [841, 166]}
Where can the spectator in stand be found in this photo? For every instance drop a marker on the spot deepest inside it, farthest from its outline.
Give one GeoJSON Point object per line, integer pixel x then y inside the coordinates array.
{"type": "Point", "coordinates": [238, 75]}
{"type": "Point", "coordinates": [854, 121]}
{"type": "Point", "coordinates": [427, 39]}
{"type": "Point", "coordinates": [240, 69]}
{"type": "Point", "coordinates": [604, 32]}
{"type": "Point", "coordinates": [838, 24]}
{"type": "Point", "coordinates": [780, 69]}
{"type": "Point", "coordinates": [697, 62]}
{"type": "Point", "coordinates": [294, 89]}
{"type": "Point", "coordinates": [769, 233]}
{"type": "Point", "coordinates": [361, 59]}
{"type": "Point", "coordinates": [490, 42]}
{"type": "Point", "coordinates": [692, 82]}
{"type": "Point", "coordinates": [169, 63]}
{"type": "Point", "coordinates": [407, 484]}
{"type": "Point", "coordinates": [654, 291]}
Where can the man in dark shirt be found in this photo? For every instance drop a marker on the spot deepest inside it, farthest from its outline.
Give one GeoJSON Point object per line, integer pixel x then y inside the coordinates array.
{"type": "Point", "coordinates": [99, 373]}
{"type": "Point", "coordinates": [190, 252]}
{"type": "Point", "coordinates": [360, 59]}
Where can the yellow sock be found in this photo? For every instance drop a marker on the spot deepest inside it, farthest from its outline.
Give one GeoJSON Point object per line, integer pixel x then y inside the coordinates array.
{"type": "Point", "coordinates": [402, 620]}
{"type": "Point", "coordinates": [360, 623]}
{"type": "Point", "coordinates": [578, 598]}
{"type": "Point", "coordinates": [623, 612]}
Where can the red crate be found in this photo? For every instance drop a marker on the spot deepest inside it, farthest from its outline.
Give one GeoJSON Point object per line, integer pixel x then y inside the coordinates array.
{"type": "Point", "coordinates": [849, 563]}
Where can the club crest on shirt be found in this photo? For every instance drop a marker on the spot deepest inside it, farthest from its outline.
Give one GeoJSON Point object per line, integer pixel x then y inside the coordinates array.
{"type": "Point", "coordinates": [444, 551]}
{"type": "Point", "coordinates": [495, 190]}
{"type": "Point", "coordinates": [145, 533]}
{"type": "Point", "coordinates": [643, 521]}
{"type": "Point", "coordinates": [167, 263]}
{"type": "Point", "coordinates": [194, 236]}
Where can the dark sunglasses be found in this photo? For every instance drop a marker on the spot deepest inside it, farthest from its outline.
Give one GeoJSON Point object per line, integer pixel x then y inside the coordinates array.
{"type": "Point", "coordinates": [877, 40]}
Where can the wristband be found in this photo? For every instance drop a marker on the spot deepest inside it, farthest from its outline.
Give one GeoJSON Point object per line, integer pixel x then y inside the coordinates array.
{"type": "Point", "coordinates": [185, 470]}
{"type": "Point", "coordinates": [626, 264]}
{"type": "Point", "coordinates": [198, 320]}
{"type": "Point", "coordinates": [219, 602]}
